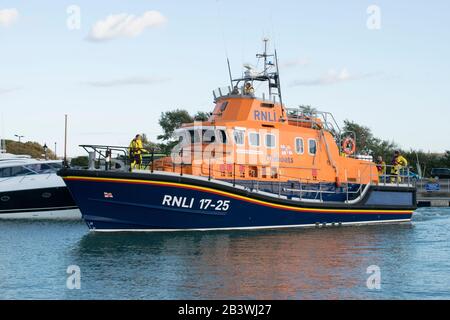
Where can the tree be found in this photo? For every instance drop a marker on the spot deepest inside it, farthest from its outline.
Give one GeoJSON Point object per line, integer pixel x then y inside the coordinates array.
{"type": "Point", "coordinates": [366, 143]}
{"type": "Point", "coordinates": [172, 120]}
{"type": "Point", "coordinates": [446, 159]}
{"type": "Point", "coordinates": [383, 148]}
{"type": "Point", "coordinates": [149, 145]}
{"type": "Point", "coordinates": [427, 160]}
{"type": "Point", "coordinates": [363, 135]}
{"type": "Point", "coordinates": [79, 162]}
{"type": "Point", "coordinates": [201, 116]}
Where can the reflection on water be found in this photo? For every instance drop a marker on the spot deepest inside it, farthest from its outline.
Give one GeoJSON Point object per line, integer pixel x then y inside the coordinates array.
{"type": "Point", "coordinates": [284, 264]}
{"type": "Point", "coordinates": [262, 265]}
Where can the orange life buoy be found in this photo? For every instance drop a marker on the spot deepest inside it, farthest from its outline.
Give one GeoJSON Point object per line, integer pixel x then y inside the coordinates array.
{"type": "Point", "coordinates": [349, 146]}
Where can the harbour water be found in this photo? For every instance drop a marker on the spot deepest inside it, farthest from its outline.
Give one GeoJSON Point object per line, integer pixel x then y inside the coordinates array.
{"type": "Point", "coordinates": [332, 263]}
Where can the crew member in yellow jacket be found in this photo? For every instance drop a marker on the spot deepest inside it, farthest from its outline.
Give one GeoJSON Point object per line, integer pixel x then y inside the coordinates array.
{"type": "Point", "coordinates": [398, 163]}
{"type": "Point", "coordinates": [136, 149]}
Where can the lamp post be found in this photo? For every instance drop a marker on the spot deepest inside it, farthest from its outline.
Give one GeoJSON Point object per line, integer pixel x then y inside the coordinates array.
{"type": "Point", "coordinates": [56, 155]}
{"type": "Point", "coordinates": [19, 136]}
{"type": "Point", "coordinates": [45, 151]}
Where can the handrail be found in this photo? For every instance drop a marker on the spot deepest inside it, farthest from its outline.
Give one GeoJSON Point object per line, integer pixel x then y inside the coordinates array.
{"type": "Point", "coordinates": [276, 181]}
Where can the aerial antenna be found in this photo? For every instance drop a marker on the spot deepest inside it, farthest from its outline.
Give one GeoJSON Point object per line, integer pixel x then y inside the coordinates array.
{"type": "Point", "coordinates": [265, 56]}
{"type": "Point", "coordinates": [229, 73]}
{"type": "Point", "coordinates": [278, 80]}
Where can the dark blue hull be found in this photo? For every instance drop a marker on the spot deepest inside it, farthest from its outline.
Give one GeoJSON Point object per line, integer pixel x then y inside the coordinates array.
{"type": "Point", "coordinates": [123, 201]}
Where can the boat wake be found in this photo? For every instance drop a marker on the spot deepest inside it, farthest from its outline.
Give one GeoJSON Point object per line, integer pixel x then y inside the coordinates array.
{"type": "Point", "coordinates": [426, 214]}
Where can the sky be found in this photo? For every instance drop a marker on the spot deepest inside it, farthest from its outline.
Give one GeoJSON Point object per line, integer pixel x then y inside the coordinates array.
{"type": "Point", "coordinates": [114, 66]}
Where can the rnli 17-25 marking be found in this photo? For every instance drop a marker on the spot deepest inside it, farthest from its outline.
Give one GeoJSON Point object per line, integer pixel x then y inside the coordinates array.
{"type": "Point", "coordinates": [192, 203]}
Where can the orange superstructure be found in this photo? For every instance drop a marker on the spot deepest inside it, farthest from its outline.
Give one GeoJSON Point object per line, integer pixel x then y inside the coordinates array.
{"type": "Point", "coordinates": [259, 138]}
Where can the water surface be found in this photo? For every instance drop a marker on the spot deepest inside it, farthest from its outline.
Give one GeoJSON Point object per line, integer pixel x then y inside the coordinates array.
{"type": "Point", "coordinates": [331, 263]}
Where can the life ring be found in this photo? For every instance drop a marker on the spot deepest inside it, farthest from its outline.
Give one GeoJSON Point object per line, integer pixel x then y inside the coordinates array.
{"type": "Point", "coordinates": [349, 146]}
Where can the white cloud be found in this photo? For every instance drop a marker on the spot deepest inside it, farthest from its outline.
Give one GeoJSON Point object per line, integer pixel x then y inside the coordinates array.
{"type": "Point", "coordinates": [130, 81]}
{"type": "Point", "coordinates": [8, 17]}
{"type": "Point", "coordinates": [8, 90]}
{"type": "Point", "coordinates": [295, 62]}
{"type": "Point", "coordinates": [125, 25]}
{"type": "Point", "coordinates": [332, 77]}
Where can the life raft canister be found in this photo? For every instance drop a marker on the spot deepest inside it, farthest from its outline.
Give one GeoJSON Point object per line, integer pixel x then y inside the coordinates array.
{"type": "Point", "coordinates": [349, 146]}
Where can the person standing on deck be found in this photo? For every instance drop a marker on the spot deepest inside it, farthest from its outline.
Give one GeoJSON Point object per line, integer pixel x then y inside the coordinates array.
{"type": "Point", "coordinates": [249, 90]}
{"type": "Point", "coordinates": [398, 163]}
{"type": "Point", "coordinates": [135, 150]}
{"type": "Point", "coordinates": [381, 168]}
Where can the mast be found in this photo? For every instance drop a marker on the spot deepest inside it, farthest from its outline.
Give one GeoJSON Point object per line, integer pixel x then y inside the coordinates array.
{"type": "Point", "coordinates": [269, 74]}
{"type": "Point", "coordinates": [229, 72]}
{"type": "Point", "coordinates": [278, 79]}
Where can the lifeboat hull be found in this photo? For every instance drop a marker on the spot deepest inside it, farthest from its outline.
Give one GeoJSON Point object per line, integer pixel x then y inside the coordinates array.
{"type": "Point", "coordinates": [120, 201]}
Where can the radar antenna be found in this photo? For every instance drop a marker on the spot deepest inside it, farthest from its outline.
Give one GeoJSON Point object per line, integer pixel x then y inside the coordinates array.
{"type": "Point", "coordinates": [269, 74]}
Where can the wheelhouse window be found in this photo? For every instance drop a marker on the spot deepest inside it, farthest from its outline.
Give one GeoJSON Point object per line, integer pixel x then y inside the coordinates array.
{"type": "Point", "coordinates": [239, 137]}
{"type": "Point", "coordinates": [209, 136]}
{"type": "Point", "coordinates": [312, 144]}
{"type": "Point", "coordinates": [270, 141]}
{"type": "Point", "coordinates": [253, 139]}
{"type": "Point", "coordinates": [299, 146]}
{"type": "Point", "coordinates": [194, 136]}
{"type": "Point", "coordinates": [223, 136]}
{"type": "Point", "coordinates": [223, 106]}
{"type": "Point", "coordinates": [200, 136]}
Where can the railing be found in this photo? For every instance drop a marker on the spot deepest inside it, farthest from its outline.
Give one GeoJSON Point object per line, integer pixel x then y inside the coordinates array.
{"type": "Point", "coordinates": [241, 174]}
{"type": "Point", "coordinates": [352, 190]}
{"type": "Point", "coordinates": [395, 176]}
{"type": "Point", "coordinates": [102, 157]}
{"type": "Point", "coordinates": [307, 187]}
{"type": "Point", "coordinates": [222, 92]}
{"type": "Point", "coordinates": [229, 92]}
{"type": "Point", "coordinates": [316, 119]}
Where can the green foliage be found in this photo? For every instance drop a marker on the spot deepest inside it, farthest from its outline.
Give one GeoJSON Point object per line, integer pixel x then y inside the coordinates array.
{"type": "Point", "coordinates": [33, 149]}
{"type": "Point", "coordinates": [169, 122]}
{"type": "Point", "coordinates": [201, 116]}
{"type": "Point", "coordinates": [366, 143]}
{"type": "Point", "coordinates": [149, 145]}
{"type": "Point", "coordinates": [427, 160]}
{"type": "Point", "coordinates": [172, 120]}
{"type": "Point", "coordinates": [80, 162]}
